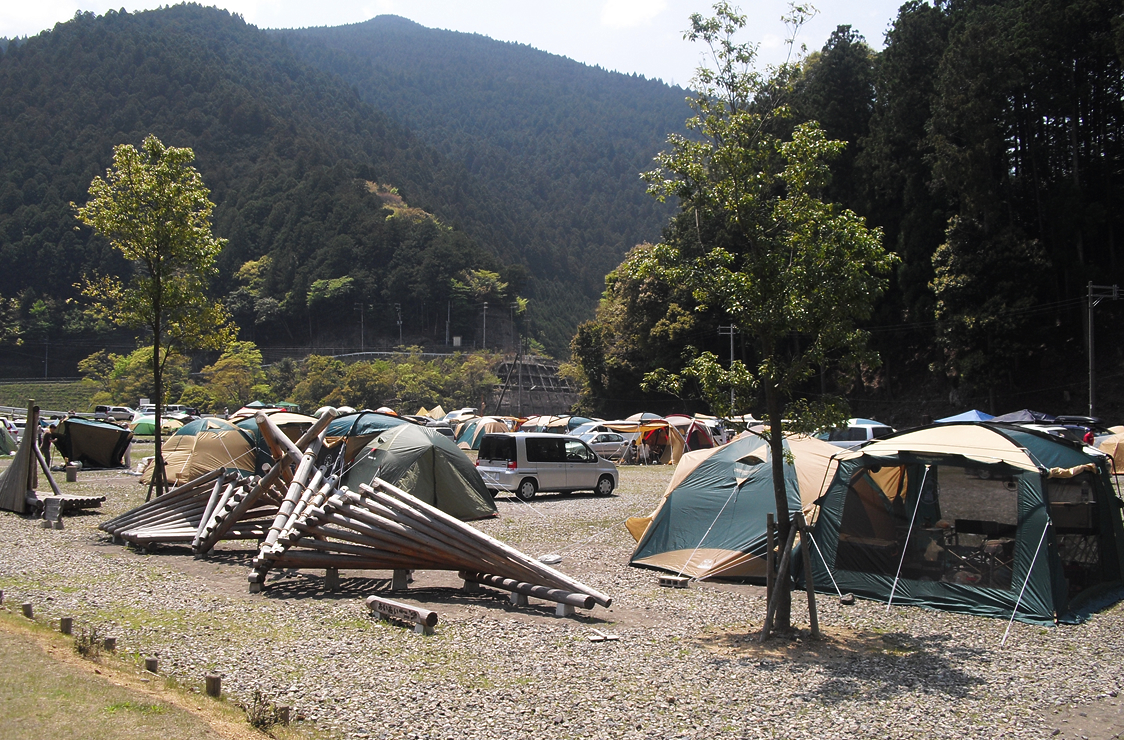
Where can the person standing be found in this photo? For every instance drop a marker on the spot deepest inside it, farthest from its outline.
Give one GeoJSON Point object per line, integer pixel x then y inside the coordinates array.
{"type": "Point", "coordinates": [644, 452]}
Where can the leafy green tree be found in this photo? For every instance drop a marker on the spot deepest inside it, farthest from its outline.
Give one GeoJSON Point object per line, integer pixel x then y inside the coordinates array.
{"type": "Point", "coordinates": [237, 377]}
{"type": "Point", "coordinates": [128, 378]}
{"type": "Point", "coordinates": [153, 208]}
{"type": "Point", "coordinates": [793, 273]}
{"type": "Point", "coordinates": [321, 382]}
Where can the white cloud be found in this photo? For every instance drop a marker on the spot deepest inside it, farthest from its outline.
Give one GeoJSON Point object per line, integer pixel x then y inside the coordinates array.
{"type": "Point", "coordinates": [630, 13]}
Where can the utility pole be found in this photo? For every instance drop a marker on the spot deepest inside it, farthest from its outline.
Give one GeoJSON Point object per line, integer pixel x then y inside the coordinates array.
{"type": "Point", "coordinates": [723, 331]}
{"type": "Point", "coordinates": [398, 309]}
{"type": "Point", "coordinates": [448, 320]}
{"type": "Point", "coordinates": [1096, 294]}
{"type": "Point", "coordinates": [484, 343]}
{"type": "Point", "coordinates": [362, 339]}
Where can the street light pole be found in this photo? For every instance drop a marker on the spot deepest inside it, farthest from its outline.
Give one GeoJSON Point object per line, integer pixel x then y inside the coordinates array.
{"type": "Point", "coordinates": [1095, 295]}
{"type": "Point", "coordinates": [362, 337]}
{"type": "Point", "coordinates": [723, 331]}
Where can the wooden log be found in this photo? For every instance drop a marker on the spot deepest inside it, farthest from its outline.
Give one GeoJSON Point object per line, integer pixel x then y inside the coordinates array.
{"type": "Point", "coordinates": [214, 685]}
{"type": "Point", "coordinates": [583, 601]}
{"type": "Point", "coordinates": [553, 577]}
{"type": "Point", "coordinates": [781, 582]}
{"type": "Point", "coordinates": [160, 503]}
{"type": "Point", "coordinates": [388, 609]}
{"type": "Point", "coordinates": [809, 585]}
{"type": "Point", "coordinates": [229, 519]}
{"type": "Point", "coordinates": [301, 482]}
{"type": "Point", "coordinates": [185, 512]}
{"type": "Point", "coordinates": [421, 541]}
{"type": "Point", "coordinates": [46, 470]}
{"type": "Point", "coordinates": [212, 502]}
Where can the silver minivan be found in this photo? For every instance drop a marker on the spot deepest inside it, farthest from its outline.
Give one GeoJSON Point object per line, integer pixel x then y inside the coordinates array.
{"type": "Point", "coordinates": [528, 462]}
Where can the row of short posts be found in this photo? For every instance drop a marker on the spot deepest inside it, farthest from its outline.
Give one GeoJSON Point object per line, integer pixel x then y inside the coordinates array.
{"type": "Point", "coordinates": [212, 681]}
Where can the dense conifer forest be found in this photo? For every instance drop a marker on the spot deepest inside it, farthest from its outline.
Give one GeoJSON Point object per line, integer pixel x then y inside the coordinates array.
{"type": "Point", "coordinates": [985, 140]}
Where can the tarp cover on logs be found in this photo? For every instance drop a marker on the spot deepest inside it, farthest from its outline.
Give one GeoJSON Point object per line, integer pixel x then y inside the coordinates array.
{"type": "Point", "coordinates": [427, 465]}
{"type": "Point", "coordinates": [711, 521]}
{"type": "Point", "coordinates": [978, 518]}
{"type": "Point", "coordinates": [202, 446]}
{"type": "Point", "coordinates": [95, 444]}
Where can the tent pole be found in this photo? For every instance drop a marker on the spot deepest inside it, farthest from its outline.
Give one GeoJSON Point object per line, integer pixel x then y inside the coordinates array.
{"type": "Point", "coordinates": [905, 545]}
{"type": "Point", "coordinates": [1026, 580]}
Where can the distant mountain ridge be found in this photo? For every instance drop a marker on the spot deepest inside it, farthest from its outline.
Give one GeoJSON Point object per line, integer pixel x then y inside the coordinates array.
{"type": "Point", "coordinates": [529, 162]}
{"type": "Point", "coordinates": [560, 143]}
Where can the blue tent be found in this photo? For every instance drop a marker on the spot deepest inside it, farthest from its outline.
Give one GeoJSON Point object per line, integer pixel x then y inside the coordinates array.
{"type": "Point", "coordinates": [973, 415]}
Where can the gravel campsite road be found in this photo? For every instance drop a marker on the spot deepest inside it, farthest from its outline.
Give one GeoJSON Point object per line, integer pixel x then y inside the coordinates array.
{"type": "Point", "coordinates": [687, 664]}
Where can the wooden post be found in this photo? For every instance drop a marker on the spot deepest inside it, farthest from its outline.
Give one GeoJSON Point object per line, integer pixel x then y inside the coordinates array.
{"type": "Point", "coordinates": [151, 664]}
{"type": "Point", "coordinates": [770, 556]}
{"type": "Point", "coordinates": [214, 685]}
{"type": "Point", "coordinates": [71, 473]}
{"type": "Point", "coordinates": [400, 581]}
{"type": "Point", "coordinates": [110, 644]}
{"type": "Point", "coordinates": [332, 579]}
{"type": "Point", "coordinates": [31, 428]}
{"type": "Point", "coordinates": [28, 610]}
{"type": "Point", "coordinates": [806, 551]}
{"type": "Point", "coordinates": [781, 582]}
{"type": "Point", "coordinates": [66, 625]}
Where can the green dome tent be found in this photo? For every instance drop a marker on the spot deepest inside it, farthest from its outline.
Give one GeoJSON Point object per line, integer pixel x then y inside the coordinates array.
{"type": "Point", "coordinates": [7, 443]}
{"type": "Point", "coordinates": [291, 425]}
{"type": "Point", "coordinates": [427, 465]}
{"type": "Point", "coordinates": [982, 518]}
{"type": "Point", "coordinates": [711, 521]}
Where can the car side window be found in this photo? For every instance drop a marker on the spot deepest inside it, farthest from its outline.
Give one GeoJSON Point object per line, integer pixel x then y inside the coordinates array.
{"type": "Point", "coordinates": [576, 451]}
{"type": "Point", "coordinates": [546, 450]}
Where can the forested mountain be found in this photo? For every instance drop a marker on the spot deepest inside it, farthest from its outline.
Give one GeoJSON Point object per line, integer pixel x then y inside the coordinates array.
{"type": "Point", "coordinates": [560, 144]}
{"type": "Point", "coordinates": [325, 199]}
{"type": "Point", "coordinates": [987, 141]}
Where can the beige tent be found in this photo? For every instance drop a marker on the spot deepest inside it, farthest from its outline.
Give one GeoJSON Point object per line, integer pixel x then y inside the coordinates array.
{"type": "Point", "coordinates": [1114, 447]}
{"type": "Point", "coordinates": [711, 520]}
{"type": "Point", "coordinates": [202, 446]}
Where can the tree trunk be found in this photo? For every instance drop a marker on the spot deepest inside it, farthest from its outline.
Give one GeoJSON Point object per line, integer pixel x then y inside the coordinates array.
{"type": "Point", "coordinates": [158, 391]}
{"type": "Point", "coordinates": [782, 620]}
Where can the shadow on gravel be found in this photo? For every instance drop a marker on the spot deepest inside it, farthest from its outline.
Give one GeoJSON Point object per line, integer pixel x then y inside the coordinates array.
{"type": "Point", "coordinates": [859, 665]}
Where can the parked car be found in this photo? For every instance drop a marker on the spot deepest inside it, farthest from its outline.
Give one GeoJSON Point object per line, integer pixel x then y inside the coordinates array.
{"type": "Point", "coordinates": [453, 417]}
{"type": "Point", "coordinates": [857, 432]}
{"type": "Point", "coordinates": [528, 462]}
{"type": "Point", "coordinates": [113, 413]}
{"type": "Point", "coordinates": [609, 445]}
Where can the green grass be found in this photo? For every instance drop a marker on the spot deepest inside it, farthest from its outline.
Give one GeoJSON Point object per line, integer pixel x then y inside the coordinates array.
{"type": "Point", "coordinates": [67, 396]}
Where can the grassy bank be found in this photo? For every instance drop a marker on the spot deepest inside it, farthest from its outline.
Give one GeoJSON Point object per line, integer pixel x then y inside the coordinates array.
{"type": "Point", "coordinates": [56, 396]}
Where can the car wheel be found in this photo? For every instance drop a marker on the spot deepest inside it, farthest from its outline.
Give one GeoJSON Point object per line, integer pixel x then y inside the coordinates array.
{"type": "Point", "coordinates": [605, 485]}
{"type": "Point", "coordinates": [526, 490]}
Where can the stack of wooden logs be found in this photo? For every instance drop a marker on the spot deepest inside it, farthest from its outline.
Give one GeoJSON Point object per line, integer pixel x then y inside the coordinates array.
{"type": "Point", "coordinates": [305, 520]}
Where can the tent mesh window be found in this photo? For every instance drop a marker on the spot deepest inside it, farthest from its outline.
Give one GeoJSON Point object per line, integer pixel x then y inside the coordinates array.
{"type": "Point", "coordinates": [963, 524]}
{"type": "Point", "coordinates": [1073, 512]}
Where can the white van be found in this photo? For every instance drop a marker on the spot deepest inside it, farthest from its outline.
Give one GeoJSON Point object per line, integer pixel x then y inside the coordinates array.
{"type": "Point", "coordinates": [528, 462]}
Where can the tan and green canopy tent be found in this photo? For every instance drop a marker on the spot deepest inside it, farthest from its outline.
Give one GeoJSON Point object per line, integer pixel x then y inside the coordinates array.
{"type": "Point", "coordinates": [427, 465]}
{"type": "Point", "coordinates": [984, 518]}
{"type": "Point", "coordinates": [711, 521]}
{"type": "Point", "coordinates": [202, 446]}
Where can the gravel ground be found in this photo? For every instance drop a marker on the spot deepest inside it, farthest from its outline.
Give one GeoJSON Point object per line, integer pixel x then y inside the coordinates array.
{"type": "Point", "coordinates": [687, 664]}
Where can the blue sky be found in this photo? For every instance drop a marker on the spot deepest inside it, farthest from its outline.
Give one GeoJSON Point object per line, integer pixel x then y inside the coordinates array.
{"type": "Point", "coordinates": [641, 36]}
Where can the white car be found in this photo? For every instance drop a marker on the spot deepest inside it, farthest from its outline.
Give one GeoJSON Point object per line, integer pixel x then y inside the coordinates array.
{"type": "Point", "coordinates": [454, 416]}
{"type": "Point", "coordinates": [857, 432]}
{"type": "Point", "coordinates": [609, 445]}
{"type": "Point", "coordinates": [528, 462]}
